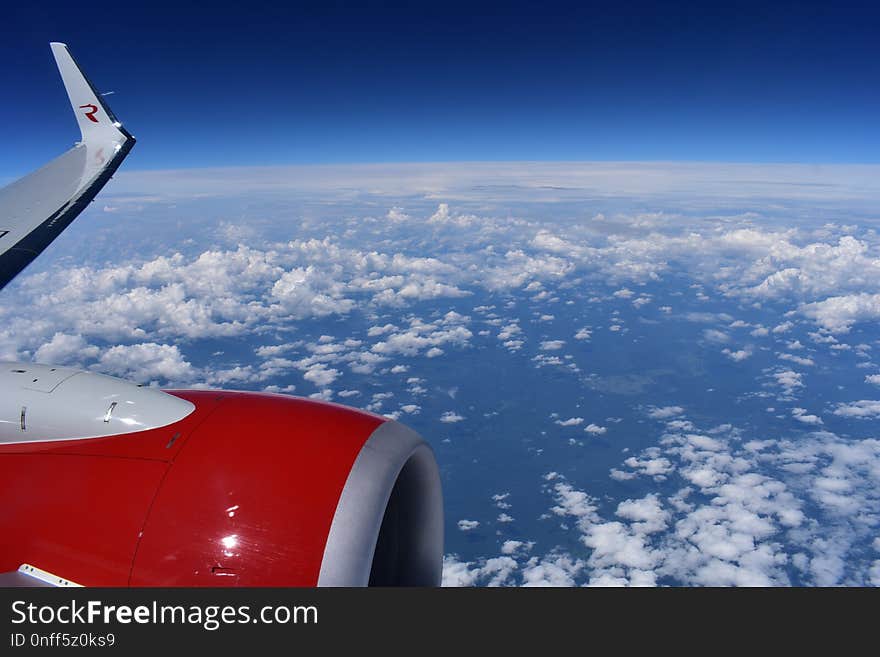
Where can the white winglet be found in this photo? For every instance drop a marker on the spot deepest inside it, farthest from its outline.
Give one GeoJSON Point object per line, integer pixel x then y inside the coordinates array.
{"type": "Point", "coordinates": [35, 209]}
{"type": "Point", "coordinates": [96, 121]}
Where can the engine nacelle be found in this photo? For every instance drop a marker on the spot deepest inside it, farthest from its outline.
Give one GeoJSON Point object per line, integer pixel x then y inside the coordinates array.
{"type": "Point", "coordinates": [249, 489]}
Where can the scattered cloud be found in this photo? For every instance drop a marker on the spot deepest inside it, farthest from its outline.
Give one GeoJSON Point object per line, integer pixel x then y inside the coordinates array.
{"type": "Point", "coordinates": [863, 409]}
{"type": "Point", "coordinates": [664, 412]}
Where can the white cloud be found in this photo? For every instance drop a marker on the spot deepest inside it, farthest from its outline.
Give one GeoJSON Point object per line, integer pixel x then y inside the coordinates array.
{"type": "Point", "coordinates": [788, 380]}
{"type": "Point", "coordinates": [321, 375]}
{"type": "Point", "coordinates": [428, 336]}
{"type": "Point", "coordinates": [511, 330]}
{"type": "Point", "coordinates": [800, 360]}
{"type": "Point", "coordinates": [146, 362]}
{"type": "Point", "coordinates": [739, 355]}
{"type": "Point", "coordinates": [374, 331]}
{"type": "Point", "coordinates": [570, 422]}
{"type": "Point", "coordinates": [646, 514]}
{"type": "Point", "coordinates": [664, 412]}
{"type": "Point", "coordinates": [451, 416]}
{"type": "Point", "coordinates": [552, 345]}
{"type": "Point", "coordinates": [490, 572]}
{"type": "Point", "coordinates": [553, 570]}
{"type": "Point", "coordinates": [801, 415]}
{"type": "Point", "coordinates": [65, 349]}
{"type": "Point", "coordinates": [837, 314]}
{"type": "Point", "coordinates": [718, 337]}
{"type": "Point", "coordinates": [863, 409]}
{"type": "Point", "coordinates": [653, 466]}
{"type": "Point", "coordinates": [513, 547]}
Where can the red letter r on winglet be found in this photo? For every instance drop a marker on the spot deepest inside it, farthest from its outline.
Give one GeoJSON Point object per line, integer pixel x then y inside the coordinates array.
{"type": "Point", "coordinates": [90, 112]}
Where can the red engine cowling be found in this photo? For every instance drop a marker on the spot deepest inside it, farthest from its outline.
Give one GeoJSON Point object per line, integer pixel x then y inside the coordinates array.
{"type": "Point", "coordinates": [249, 489]}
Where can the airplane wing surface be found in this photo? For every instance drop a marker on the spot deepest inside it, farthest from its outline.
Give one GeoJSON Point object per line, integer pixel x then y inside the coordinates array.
{"type": "Point", "coordinates": [35, 209]}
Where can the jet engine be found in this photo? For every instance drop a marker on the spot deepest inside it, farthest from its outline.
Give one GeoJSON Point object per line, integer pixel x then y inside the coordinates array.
{"type": "Point", "coordinates": [106, 483]}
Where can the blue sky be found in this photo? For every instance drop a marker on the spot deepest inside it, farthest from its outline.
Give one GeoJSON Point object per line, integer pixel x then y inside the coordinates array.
{"type": "Point", "coordinates": [261, 84]}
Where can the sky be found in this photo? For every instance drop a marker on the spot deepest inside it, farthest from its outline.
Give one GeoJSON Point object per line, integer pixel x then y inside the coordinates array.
{"type": "Point", "coordinates": [302, 83]}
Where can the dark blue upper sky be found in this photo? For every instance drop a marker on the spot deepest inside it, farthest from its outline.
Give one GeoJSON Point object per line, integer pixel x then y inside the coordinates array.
{"type": "Point", "coordinates": [254, 83]}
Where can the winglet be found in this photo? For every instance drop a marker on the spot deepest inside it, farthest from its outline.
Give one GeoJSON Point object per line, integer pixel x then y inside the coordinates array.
{"type": "Point", "coordinates": [35, 209]}
{"type": "Point", "coordinates": [96, 121]}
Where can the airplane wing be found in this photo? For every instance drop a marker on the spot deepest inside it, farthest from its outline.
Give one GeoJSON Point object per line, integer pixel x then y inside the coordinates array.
{"type": "Point", "coordinates": [37, 208]}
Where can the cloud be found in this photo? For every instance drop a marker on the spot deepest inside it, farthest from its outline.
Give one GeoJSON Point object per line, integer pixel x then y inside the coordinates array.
{"type": "Point", "coordinates": [718, 337]}
{"type": "Point", "coordinates": [489, 572]}
{"type": "Point", "coordinates": [146, 362]}
{"type": "Point", "coordinates": [551, 571]}
{"type": "Point", "coordinates": [724, 521]}
{"type": "Point", "coordinates": [838, 314]}
{"type": "Point", "coordinates": [321, 375]}
{"type": "Point", "coordinates": [552, 345]}
{"type": "Point", "coordinates": [451, 417]}
{"type": "Point", "coordinates": [307, 292]}
{"type": "Point", "coordinates": [664, 412]}
{"type": "Point", "coordinates": [646, 514]}
{"type": "Point", "coordinates": [800, 360]}
{"type": "Point", "coordinates": [468, 525]}
{"type": "Point", "coordinates": [801, 415]}
{"type": "Point", "coordinates": [427, 336]}
{"type": "Point", "coordinates": [863, 409]}
{"type": "Point", "coordinates": [653, 466]}
{"type": "Point", "coordinates": [570, 422]}
{"type": "Point", "coordinates": [66, 349]}
{"type": "Point", "coordinates": [739, 355]}
{"type": "Point", "coordinates": [373, 331]}
{"type": "Point", "coordinates": [788, 380]}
